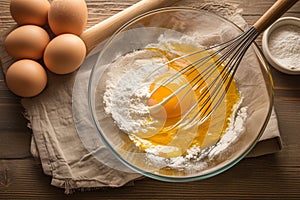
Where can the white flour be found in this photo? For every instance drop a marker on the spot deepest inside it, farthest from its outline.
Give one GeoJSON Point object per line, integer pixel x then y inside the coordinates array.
{"type": "Point", "coordinates": [127, 91]}
{"type": "Point", "coordinates": [125, 98]}
{"type": "Point", "coordinates": [284, 45]}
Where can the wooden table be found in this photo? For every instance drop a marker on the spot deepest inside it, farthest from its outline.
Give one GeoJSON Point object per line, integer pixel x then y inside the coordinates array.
{"type": "Point", "coordinates": [275, 176]}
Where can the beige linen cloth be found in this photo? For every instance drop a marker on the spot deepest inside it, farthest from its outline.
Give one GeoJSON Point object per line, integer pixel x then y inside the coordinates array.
{"type": "Point", "coordinates": [62, 152]}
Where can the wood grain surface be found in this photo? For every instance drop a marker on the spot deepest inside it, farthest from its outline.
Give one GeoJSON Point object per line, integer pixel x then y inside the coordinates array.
{"type": "Point", "coordinates": [275, 176]}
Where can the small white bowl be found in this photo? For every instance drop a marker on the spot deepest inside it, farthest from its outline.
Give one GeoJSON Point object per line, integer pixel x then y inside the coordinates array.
{"type": "Point", "coordinates": [284, 21]}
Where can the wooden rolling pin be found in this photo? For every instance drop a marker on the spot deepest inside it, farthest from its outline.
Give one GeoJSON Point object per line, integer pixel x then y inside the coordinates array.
{"type": "Point", "coordinates": [99, 32]}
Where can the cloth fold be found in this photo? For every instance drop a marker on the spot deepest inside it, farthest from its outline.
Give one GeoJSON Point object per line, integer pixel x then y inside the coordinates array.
{"type": "Point", "coordinates": [59, 148]}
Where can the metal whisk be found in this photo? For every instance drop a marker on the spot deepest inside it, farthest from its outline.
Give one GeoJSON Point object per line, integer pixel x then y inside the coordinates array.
{"type": "Point", "coordinates": [229, 55]}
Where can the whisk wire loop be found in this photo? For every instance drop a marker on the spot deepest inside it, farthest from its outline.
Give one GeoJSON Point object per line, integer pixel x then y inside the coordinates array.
{"type": "Point", "coordinates": [229, 56]}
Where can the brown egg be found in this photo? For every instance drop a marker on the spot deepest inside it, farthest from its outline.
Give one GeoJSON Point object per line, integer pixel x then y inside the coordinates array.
{"type": "Point", "coordinates": [26, 78]}
{"type": "Point", "coordinates": [67, 16]}
{"type": "Point", "coordinates": [30, 12]}
{"type": "Point", "coordinates": [64, 54]}
{"type": "Point", "coordinates": [28, 41]}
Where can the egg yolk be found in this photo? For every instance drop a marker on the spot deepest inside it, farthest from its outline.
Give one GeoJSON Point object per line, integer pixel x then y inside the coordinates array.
{"type": "Point", "coordinates": [173, 99]}
{"type": "Point", "coordinates": [172, 106]}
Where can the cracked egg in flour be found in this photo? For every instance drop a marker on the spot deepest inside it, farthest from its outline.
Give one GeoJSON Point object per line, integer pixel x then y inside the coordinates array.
{"type": "Point", "coordinates": [134, 87]}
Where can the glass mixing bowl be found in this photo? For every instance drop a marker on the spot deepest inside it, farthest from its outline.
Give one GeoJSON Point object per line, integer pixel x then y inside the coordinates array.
{"type": "Point", "coordinates": [253, 80]}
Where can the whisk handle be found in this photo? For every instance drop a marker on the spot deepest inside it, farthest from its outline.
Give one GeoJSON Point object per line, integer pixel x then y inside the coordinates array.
{"type": "Point", "coordinates": [104, 29]}
{"type": "Point", "coordinates": [276, 11]}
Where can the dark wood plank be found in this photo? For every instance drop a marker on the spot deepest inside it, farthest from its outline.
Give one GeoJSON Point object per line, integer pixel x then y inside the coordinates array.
{"type": "Point", "coordinates": [15, 144]}
{"type": "Point", "coordinates": [23, 179]}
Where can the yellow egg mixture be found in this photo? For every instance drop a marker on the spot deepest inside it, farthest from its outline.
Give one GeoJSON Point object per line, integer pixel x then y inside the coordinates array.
{"type": "Point", "coordinates": [182, 138]}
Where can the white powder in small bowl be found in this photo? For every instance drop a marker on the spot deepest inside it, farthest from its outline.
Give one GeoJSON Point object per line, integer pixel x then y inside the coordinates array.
{"type": "Point", "coordinates": [284, 45]}
{"type": "Point", "coordinates": [281, 45]}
